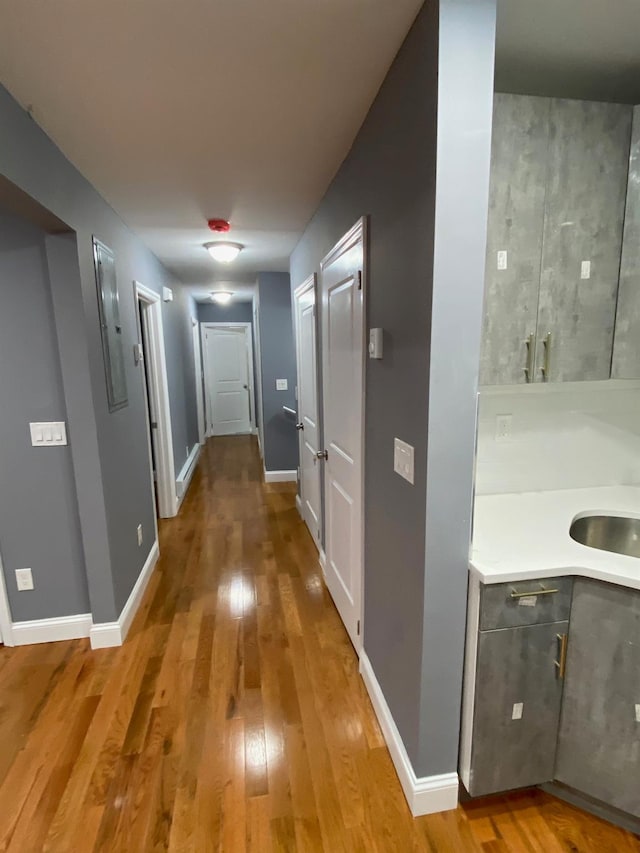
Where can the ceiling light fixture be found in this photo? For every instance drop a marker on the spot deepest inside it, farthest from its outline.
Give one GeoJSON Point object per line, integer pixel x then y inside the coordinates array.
{"type": "Point", "coordinates": [221, 297]}
{"type": "Point", "coordinates": [224, 252]}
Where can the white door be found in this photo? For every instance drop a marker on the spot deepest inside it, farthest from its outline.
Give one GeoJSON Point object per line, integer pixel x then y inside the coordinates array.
{"type": "Point", "coordinates": [310, 468]}
{"type": "Point", "coordinates": [227, 380]}
{"type": "Point", "coordinates": [197, 360]}
{"type": "Point", "coordinates": [343, 389]}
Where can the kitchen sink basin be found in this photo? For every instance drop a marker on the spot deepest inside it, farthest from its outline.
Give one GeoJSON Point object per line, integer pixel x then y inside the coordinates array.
{"type": "Point", "coordinates": [618, 534]}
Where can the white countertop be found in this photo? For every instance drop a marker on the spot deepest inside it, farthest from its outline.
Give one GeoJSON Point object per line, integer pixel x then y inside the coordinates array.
{"type": "Point", "coordinates": [526, 536]}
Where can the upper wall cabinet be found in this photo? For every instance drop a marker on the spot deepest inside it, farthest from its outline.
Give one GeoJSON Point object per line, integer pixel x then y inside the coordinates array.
{"type": "Point", "coordinates": [558, 187]}
{"type": "Point", "coordinates": [626, 348]}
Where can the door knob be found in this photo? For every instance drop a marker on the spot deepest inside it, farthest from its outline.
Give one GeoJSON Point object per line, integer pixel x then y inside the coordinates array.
{"type": "Point", "coordinates": [299, 426]}
{"type": "Point", "coordinates": [322, 454]}
{"type": "Point", "coordinates": [246, 387]}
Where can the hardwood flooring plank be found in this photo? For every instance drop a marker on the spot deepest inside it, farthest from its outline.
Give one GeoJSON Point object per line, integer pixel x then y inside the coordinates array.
{"type": "Point", "coordinates": [234, 718]}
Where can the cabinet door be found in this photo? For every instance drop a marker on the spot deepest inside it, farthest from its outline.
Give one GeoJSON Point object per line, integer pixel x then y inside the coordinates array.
{"type": "Point", "coordinates": [599, 742]}
{"type": "Point", "coordinates": [626, 345]}
{"type": "Point", "coordinates": [587, 163]}
{"type": "Point", "coordinates": [516, 210]}
{"type": "Point", "coordinates": [515, 666]}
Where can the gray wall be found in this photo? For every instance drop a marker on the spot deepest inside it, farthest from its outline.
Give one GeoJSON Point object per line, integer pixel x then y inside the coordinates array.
{"type": "Point", "coordinates": [390, 175]}
{"type": "Point", "coordinates": [39, 523]}
{"type": "Point", "coordinates": [118, 499]}
{"type": "Point", "coordinates": [278, 359]}
{"type": "Point", "coordinates": [236, 312]}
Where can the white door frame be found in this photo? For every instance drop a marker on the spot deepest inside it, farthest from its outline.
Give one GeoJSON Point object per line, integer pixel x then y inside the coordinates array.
{"type": "Point", "coordinates": [309, 284]}
{"type": "Point", "coordinates": [207, 378]}
{"type": "Point", "coordinates": [258, 360]}
{"type": "Point", "coordinates": [197, 361]}
{"type": "Point", "coordinates": [159, 394]}
{"type": "Point", "coordinates": [359, 231]}
{"type": "Point", "coordinates": [6, 620]}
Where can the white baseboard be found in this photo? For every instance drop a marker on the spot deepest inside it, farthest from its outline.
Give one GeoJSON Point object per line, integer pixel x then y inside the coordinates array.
{"type": "Point", "coordinates": [427, 794]}
{"type": "Point", "coordinates": [104, 635]}
{"type": "Point", "coordinates": [299, 506]}
{"type": "Point", "coordinates": [281, 476]}
{"type": "Point", "coordinates": [185, 475]}
{"type": "Point", "coordinates": [322, 559]}
{"type": "Point", "coordinates": [51, 630]}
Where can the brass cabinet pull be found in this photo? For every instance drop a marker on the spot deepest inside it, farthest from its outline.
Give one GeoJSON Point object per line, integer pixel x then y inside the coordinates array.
{"type": "Point", "coordinates": [533, 592]}
{"type": "Point", "coordinates": [561, 665]}
{"type": "Point", "coordinates": [529, 368]}
{"type": "Point", "coordinates": [546, 362]}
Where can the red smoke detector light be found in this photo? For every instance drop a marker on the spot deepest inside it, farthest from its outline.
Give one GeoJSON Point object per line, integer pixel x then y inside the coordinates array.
{"type": "Point", "coordinates": [220, 226]}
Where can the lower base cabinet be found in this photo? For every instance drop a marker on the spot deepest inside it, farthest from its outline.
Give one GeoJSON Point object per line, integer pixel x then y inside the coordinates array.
{"type": "Point", "coordinates": [517, 707]}
{"type": "Point", "coordinates": [551, 709]}
{"type": "Point", "coordinates": [599, 739]}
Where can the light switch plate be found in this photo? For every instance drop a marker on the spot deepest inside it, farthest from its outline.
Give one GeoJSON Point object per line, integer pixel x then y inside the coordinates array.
{"type": "Point", "coordinates": [48, 434]}
{"type": "Point", "coordinates": [502, 260]}
{"type": "Point", "coordinates": [282, 385]}
{"type": "Point", "coordinates": [24, 579]}
{"type": "Point", "coordinates": [518, 708]}
{"type": "Point", "coordinates": [403, 454]}
{"type": "Point", "coordinates": [375, 343]}
{"type": "Point", "coordinates": [585, 269]}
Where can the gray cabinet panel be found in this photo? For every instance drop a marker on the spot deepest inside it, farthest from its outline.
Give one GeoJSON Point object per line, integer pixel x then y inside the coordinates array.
{"type": "Point", "coordinates": [499, 609]}
{"type": "Point", "coordinates": [599, 742]}
{"type": "Point", "coordinates": [515, 665]}
{"type": "Point", "coordinates": [516, 211]}
{"type": "Point", "coordinates": [586, 187]}
{"type": "Point", "coordinates": [626, 345]}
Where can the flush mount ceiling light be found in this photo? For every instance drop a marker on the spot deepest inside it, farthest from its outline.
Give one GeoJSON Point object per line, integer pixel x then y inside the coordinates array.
{"type": "Point", "coordinates": [224, 252]}
{"type": "Point", "coordinates": [222, 297]}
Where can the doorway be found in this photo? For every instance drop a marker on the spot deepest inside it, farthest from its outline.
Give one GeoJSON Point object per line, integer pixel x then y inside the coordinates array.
{"type": "Point", "coordinates": [228, 378]}
{"type": "Point", "coordinates": [308, 426]}
{"type": "Point", "coordinates": [151, 354]}
{"type": "Point", "coordinates": [342, 283]}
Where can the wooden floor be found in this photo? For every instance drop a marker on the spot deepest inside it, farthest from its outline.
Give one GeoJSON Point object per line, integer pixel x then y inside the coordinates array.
{"type": "Point", "coordinates": [233, 718]}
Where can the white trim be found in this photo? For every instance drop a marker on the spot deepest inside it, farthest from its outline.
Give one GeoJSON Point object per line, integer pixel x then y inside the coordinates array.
{"type": "Point", "coordinates": [248, 333]}
{"type": "Point", "coordinates": [299, 506]}
{"type": "Point", "coordinates": [51, 630]}
{"type": "Point", "coordinates": [258, 363]}
{"type": "Point", "coordinates": [281, 476]}
{"type": "Point", "coordinates": [6, 625]}
{"type": "Point", "coordinates": [469, 681]}
{"type": "Point", "coordinates": [197, 363]}
{"type": "Point", "coordinates": [159, 393]}
{"type": "Point", "coordinates": [322, 559]}
{"type": "Point", "coordinates": [426, 794]}
{"type": "Point", "coordinates": [185, 475]}
{"type": "Point", "coordinates": [104, 635]}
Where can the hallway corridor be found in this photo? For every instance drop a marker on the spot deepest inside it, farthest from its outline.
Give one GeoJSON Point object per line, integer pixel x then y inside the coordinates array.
{"type": "Point", "coordinates": [233, 718]}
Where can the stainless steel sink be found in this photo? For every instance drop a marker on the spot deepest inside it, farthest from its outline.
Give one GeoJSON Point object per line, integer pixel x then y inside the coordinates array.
{"type": "Point", "coordinates": [608, 533]}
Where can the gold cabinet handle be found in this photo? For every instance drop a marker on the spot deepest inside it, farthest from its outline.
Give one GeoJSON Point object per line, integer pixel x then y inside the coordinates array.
{"type": "Point", "coordinates": [529, 368]}
{"type": "Point", "coordinates": [533, 592]}
{"type": "Point", "coordinates": [561, 664]}
{"type": "Point", "coordinates": [546, 362]}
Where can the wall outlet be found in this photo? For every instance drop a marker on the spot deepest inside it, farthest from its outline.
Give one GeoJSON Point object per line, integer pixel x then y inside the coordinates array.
{"type": "Point", "coordinates": [502, 260]}
{"type": "Point", "coordinates": [585, 269]}
{"type": "Point", "coordinates": [24, 579]}
{"type": "Point", "coordinates": [282, 385]}
{"type": "Point", "coordinates": [504, 424]}
{"type": "Point", "coordinates": [403, 459]}
{"type": "Point", "coordinates": [139, 535]}
{"type": "Point", "coordinates": [518, 708]}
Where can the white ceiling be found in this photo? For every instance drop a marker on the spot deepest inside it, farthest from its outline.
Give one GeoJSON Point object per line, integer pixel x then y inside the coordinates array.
{"type": "Point", "coordinates": [182, 110]}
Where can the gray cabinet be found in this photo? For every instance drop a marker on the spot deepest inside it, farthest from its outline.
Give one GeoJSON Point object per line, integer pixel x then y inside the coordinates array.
{"type": "Point", "coordinates": [518, 691]}
{"type": "Point", "coordinates": [558, 185]}
{"type": "Point", "coordinates": [626, 347]}
{"type": "Point", "coordinates": [516, 674]}
{"type": "Point", "coordinates": [519, 145]}
{"type": "Point", "coordinates": [599, 741]}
